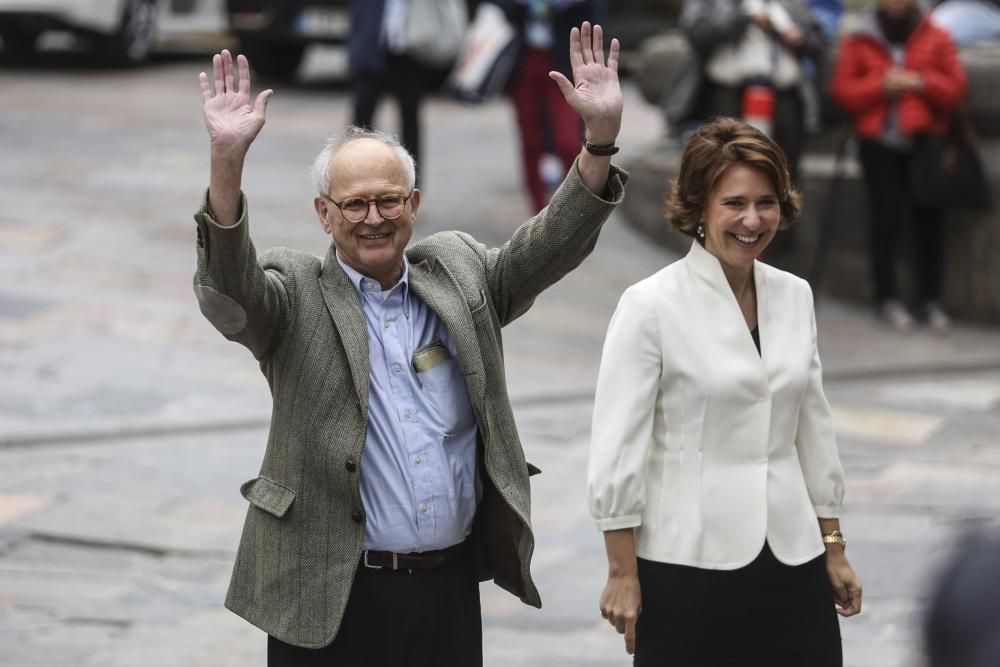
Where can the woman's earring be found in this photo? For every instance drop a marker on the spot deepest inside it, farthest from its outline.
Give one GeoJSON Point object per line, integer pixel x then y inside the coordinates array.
{"type": "Point", "coordinates": [701, 231]}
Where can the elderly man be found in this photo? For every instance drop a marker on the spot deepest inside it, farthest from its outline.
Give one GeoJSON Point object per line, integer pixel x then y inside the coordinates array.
{"type": "Point", "coordinates": [393, 479]}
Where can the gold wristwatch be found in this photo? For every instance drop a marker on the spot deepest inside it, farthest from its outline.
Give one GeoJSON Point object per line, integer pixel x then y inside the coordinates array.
{"type": "Point", "coordinates": [835, 537]}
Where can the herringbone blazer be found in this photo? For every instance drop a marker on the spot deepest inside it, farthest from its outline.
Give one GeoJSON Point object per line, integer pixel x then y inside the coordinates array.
{"type": "Point", "coordinates": [301, 318]}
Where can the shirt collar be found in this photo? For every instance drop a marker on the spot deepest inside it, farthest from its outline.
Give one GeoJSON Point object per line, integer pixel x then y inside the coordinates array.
{"type": "Point", "coordinates": [363, 284]}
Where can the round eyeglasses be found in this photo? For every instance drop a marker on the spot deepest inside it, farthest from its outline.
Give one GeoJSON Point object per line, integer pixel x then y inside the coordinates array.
{"type": "Point", "coordinates": [355, 209]}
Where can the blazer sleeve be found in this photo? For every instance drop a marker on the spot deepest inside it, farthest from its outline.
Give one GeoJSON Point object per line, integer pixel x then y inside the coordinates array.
{"type": "Point", "coordinates": [551, 244]}
{"type": "Point", "coordinates": [815, 439]}
{"type": "Point", "coordinates": [624, 409]}
{"type": "Point", "coordinates": [245, 302]}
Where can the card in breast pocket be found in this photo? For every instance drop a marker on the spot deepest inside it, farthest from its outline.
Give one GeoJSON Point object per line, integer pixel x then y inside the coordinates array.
{"type": "Point", "coordinates": [430, 356]}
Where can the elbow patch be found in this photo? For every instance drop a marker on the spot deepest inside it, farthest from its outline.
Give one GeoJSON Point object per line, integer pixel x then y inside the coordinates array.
{"type": "Point", "coordinates": [223, 312]}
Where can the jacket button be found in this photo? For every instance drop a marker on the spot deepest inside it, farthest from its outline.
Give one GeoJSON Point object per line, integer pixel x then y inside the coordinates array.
{"type": "Point", "coordinates": [357, 516]}
{"type": "Point", "coordinates": [350, 465]}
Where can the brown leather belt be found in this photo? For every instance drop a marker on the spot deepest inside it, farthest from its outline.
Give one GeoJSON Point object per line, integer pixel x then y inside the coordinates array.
{"type": "Point", "coordinates": [377, 560]}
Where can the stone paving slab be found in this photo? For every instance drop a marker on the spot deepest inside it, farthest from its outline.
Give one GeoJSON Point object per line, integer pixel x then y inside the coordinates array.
{"type": "Point", "coordinates": [127, 423]}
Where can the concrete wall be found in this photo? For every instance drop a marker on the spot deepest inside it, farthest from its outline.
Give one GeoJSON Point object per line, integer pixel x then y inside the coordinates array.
{"type": "Point", "coordinates": [972, 264]}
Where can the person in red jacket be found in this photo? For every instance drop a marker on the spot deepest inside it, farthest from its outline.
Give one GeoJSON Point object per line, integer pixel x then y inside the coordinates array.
{"type": "Point", "coordinates": [900, 78]}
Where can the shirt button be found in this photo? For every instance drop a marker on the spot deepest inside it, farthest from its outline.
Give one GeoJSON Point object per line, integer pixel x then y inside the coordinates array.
{"type": "Point", "coordinates": [408, 413]}
{"type": "Point", "coordinates": [350, 465]}
{"type": "Point", "coordinates": [417, 460]}
{"type": "Point", "coordinates": [397, 367]}
{"type": "Point", "coordinates": [357, 516]}
{"type": "Point", "coordinates": [423, 508]}
{"type": "Point", "coordinates": [387, 324]}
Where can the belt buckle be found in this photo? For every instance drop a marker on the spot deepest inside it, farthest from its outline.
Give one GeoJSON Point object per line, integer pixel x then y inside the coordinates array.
{"type": "Point", "coordinates": [364, 561]}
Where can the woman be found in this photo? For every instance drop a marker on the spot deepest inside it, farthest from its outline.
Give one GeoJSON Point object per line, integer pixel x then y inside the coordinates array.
{"type": "Point", "coordinates": [900, 78]}
{"type": "Point", "coordinates": [714, 471]}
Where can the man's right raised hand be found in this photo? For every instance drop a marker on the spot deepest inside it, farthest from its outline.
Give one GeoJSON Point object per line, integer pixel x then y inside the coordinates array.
{"type": "Point", "coordinates": [231, 121]}
{"type": "Point", "coordinates": [232, 125]}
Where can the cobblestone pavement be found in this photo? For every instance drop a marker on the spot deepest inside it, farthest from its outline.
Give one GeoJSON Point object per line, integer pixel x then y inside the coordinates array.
{"type": "Point", "coordinates": [127, 423]}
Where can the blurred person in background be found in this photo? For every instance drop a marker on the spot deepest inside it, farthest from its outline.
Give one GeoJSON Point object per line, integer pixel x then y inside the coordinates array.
{"type": "Point", "coordinates": [714, 470]}
{"type": "Point", "coordinates": [546, 124]}
{"type": "Point", "coordinates": [969, 21]}
{"type": "Point", "coordinates": [899, 77]}
{"type": "Point", "coordinates": [379, 63]}
{"type": "Point", "coordinates": [828, 13]}
{"type": "Point", "coordinates": [760, 43]}
{"type": "Point", "coordinates": [962, 627]}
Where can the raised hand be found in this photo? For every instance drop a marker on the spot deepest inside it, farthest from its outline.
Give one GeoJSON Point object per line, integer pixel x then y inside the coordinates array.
{"type": "Point", "coordinates": [595, 93]}
{"type": "Point", "coordinates": [232, 122]}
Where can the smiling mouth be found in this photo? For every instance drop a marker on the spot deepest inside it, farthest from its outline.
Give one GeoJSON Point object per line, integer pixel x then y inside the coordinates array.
{"type": "Point", "coordinates": [374, 237]}
{"type": "Point", "coordinates": [748, 239]}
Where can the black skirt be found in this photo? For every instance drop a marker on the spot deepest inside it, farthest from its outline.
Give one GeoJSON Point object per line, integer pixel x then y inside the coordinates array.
{"type": "Point", "coordinates": [766, 614]}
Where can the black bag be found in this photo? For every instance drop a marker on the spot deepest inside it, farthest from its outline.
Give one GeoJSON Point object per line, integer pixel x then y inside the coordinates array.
{"type": "Point", "coordinates": [947, 173]}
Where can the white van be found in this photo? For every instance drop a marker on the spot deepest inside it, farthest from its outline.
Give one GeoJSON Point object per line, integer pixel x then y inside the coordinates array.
{"type": "Point", "coordinates": [121, 32]}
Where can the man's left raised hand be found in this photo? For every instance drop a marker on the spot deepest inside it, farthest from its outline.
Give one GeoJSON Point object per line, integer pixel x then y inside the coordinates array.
{"type": "Point", "coordinates": [595, 93]}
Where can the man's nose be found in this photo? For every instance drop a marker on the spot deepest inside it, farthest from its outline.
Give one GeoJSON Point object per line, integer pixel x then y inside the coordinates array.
{"type": "Point", "coordinates": [372, 215]}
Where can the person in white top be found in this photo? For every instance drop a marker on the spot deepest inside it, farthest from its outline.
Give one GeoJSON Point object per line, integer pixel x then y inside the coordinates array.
{"type": "Point", "coordinates": [713, 470]}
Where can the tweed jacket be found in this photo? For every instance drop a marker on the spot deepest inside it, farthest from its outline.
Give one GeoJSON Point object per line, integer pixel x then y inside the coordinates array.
{"type": "Point", "coordinates": [302, 319]}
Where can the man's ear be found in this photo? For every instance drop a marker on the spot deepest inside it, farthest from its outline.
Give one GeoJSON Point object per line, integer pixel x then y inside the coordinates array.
{"type": "Point", "coordinates": [415, 200]}
{"type": "Point", "coordinates": [322, 209]}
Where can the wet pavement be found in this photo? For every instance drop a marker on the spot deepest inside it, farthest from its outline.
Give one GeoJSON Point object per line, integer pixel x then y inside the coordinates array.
{"type": "Point", "coordinates": [127, 423]}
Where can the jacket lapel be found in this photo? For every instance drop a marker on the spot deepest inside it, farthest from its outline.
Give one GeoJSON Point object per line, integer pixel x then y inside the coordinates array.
{"type": "Point", "coordinates": [345, 308]}
{"type": "Point", "coordinates": [436, 286]}
{"type": "Point", "coordinates": [727, 318]}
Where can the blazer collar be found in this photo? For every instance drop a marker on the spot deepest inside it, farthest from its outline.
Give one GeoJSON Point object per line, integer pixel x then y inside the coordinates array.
{"type": "Point", "coordinates": [344, 304]}
{"type": "Point", "coordinates": [433, 282]}
{"type": "Point", "coordinates": [707, 269]}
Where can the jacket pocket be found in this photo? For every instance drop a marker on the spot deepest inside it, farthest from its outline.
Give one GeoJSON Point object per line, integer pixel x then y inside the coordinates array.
{"type": "Point", "coordinates": [270, 496]}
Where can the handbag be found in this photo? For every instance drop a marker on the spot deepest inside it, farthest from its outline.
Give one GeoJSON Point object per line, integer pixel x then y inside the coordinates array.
{"type": "Point", "coordinates": [435, 30]}
{"type": "Point", "coordinates": [946, 172]}
{"type": "Point", "coordinates": [486, 58]}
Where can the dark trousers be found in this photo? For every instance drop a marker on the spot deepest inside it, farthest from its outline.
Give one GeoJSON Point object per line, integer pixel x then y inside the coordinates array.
{"type": "Point", "coordinates": [406, 618]}
{"type": "Point", "coordinates": [406, 79]}
{"type": "Point", "coordinates": [543, 115]}
{"type": "Point", "coordinates": [891, 205]}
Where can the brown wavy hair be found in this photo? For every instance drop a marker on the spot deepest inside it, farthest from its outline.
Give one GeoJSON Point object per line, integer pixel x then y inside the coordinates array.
{"type": "Point", "coordinates": [716, 146]}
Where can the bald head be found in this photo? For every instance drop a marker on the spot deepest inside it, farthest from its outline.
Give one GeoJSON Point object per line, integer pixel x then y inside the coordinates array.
{"type": "Point", "coordinates": [364, 148]}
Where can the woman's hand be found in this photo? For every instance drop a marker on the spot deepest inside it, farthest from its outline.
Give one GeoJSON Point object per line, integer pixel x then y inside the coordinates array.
{"type": "Point", "coordinates": [595, 93]}
{"type": "Point", "coordinates": [231, 121]}
{"type": "Point", "coordinates": [845, 583]}
{"type": "Point", "coordinates": [621, 603]}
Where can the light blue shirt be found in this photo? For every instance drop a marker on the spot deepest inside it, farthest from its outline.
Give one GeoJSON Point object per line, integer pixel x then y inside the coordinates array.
{"type": "Point", "coordinates": [419, 482]}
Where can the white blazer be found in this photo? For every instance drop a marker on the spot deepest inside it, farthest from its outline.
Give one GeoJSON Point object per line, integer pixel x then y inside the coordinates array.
{"type": "Point", "coordinates": [703, 445]}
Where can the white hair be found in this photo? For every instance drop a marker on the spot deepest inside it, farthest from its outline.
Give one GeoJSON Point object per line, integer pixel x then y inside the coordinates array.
{"type": "Point", "coordinates": [321, 166]}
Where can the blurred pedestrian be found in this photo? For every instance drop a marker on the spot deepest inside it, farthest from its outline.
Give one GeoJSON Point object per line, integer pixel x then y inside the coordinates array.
{"type": "Point", "coordinates": [714, 470]}
{"type": "Point", "coordinates": [380, 62]}
{"type": "Point", "coordinates": [745, 48]}
{"type": "Point", "coordinates": [828, 14]}
{"type": "Point", "coordinates": [546, 124]}
{"type": "Point", "coordinates": [378, 508]}
{"type": "Point", "coordinates": [969, 21]}
{"type": "Point", "coordinates": [962, 627]}
{"type": "Point", "coordinates": [898, 75]}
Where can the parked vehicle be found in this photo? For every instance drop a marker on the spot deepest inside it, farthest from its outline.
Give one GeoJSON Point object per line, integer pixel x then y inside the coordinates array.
{"type": "Point", "coordinates": [274, 35]}
{"type": "Point", "coordinates": [120, 31]}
